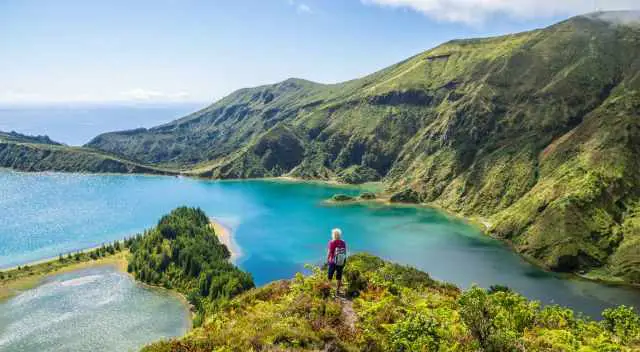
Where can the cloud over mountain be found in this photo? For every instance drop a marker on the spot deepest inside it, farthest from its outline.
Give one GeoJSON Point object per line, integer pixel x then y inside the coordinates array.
{"type": "Point", "coordinates": [478, 11]}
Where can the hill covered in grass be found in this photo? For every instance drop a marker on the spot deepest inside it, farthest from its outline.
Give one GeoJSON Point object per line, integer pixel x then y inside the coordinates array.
{"type": "Point", "coordinates": [40, 153]}
{"type": "Point", "coordinates": [536, 133]}
{"type": "Point", "coordinates": [397, 308]}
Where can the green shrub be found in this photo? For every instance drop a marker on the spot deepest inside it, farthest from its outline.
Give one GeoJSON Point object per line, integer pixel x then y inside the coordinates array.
{"type": "Point", "coordinates": [623, 322]}
{"type": "Point", "coordinates": [355, 282]}
{"type": "Point", "coordinates": [415, 333]}
{"type": "Point", "coordinates": [497, 320]}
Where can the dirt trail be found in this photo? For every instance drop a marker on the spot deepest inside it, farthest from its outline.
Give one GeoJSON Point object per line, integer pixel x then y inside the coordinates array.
{"type": "Point", "coordinates": [350, 317]}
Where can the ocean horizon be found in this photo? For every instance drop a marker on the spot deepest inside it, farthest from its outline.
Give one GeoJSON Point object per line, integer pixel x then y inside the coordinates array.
{"type": "Point", "coordinates": [77, 123]}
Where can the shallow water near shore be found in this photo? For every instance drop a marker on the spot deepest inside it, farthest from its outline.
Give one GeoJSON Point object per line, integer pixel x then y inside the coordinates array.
{"type": "Point", "coordinates": [95, 309]}
{"type": "Point", "coordinates": [279, 226]}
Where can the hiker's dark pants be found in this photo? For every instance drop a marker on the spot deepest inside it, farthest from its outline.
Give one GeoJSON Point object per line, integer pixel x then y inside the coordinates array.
{"type": "Point", "coordinates": [337, 269]}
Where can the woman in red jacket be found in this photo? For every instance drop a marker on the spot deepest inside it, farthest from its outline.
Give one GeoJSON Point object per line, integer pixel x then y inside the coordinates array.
{"type": "Point", "coordinates": [336, 256]}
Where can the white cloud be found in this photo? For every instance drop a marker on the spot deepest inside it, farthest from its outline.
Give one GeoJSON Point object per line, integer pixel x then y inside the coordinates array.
{"type": "Point", "coordinates": [140, 94]}
{"type": "Point", "coordinates": [301, 7]}
{"type": "Point", "coordinates": [478, 11]}
{"type": "Point", "coordinates": [304, 8]}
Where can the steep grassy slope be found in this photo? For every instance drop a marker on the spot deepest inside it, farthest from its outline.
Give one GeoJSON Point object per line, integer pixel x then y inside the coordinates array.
{"type": "Point", "coordinates": [538, 133]}
{"type": "Point", "coordinates": [40, 153]}
{"type": "Point", "coordinates": [397, 308]}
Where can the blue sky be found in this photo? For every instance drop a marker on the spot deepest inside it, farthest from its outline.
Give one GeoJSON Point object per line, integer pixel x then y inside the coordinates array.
{"type": "Point", "coordinates": [172, 50]}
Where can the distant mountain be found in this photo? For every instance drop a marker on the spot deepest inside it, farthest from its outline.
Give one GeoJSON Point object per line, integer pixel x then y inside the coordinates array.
{"type": "Point", "coordinates": [40, 153]}
{"type": "Point", "coordinates": [23, 138]}
{"type": "Point", "coordinates": [536, 133]}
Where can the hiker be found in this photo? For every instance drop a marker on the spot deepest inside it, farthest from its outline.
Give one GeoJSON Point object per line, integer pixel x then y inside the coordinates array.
{"type": "Point", "coordinates": [336, 256]}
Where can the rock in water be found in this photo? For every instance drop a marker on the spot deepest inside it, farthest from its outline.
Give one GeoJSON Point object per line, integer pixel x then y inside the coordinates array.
{"type": "Point", "coordinates": [342, 198]}
{"type": "Point", "coordinates": [368, 196]}
{"type": "Point", "coordinates": [406, 196]}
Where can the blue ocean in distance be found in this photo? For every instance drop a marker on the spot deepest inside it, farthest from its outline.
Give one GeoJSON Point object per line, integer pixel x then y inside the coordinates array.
{"type": "Point", "coordinates": [280, 226]}
{"type": "Point", "coordinates": [77, 124]}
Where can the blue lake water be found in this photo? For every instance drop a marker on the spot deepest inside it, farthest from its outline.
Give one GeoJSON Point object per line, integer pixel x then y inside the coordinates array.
{"type": "Point", "coordinates": [279, 226]}
{"type": "Point", "coordinates": [97, 309]}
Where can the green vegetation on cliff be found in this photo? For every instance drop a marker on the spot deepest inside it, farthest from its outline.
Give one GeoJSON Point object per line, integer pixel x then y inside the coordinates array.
{"type": "Point", "coordinates": [537, 133]}
{"type": "Point", "coordinates": [397, 308]}
{"type": "Point", "coordinates": [27, 153]}
{"type": "Point", "coordinates": [183, 253]}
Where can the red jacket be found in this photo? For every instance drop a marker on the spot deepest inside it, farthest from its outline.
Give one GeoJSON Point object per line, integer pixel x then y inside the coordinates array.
{"type": "Point", "coordinates": [333, 244]}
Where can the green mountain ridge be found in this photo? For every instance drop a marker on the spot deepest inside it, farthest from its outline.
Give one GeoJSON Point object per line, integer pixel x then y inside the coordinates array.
{"type": "Point", "coordinates": [40, 153]}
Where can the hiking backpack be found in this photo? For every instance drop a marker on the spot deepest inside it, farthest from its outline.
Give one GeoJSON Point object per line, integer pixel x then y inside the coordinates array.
{"type": "Point", "coordinates": [340, 256]}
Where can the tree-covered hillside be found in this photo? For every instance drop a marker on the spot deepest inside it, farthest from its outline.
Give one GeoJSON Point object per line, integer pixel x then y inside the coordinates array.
{"type": "Point", "coordinates": [537, 133]}
{"type": "Point", "coordinates": [40, 153]}
{"type": "Point", "coordinates": [183, 253]}
{"type": "Point", "coordinates": [397, 308]}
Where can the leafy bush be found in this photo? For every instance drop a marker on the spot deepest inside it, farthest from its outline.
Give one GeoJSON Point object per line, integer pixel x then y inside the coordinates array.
{"type": "Point", "coordinates": [415, 333]}
{"type": "Point", "coordinates": [355, 282]}
{"type": "Point", "coordinates": [623, 322]}
{"type": "Point", "coordinates": [497, 320]}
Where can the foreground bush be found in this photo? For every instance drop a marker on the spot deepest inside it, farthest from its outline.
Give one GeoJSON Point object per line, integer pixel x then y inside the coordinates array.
{"type": "Point", "coordinates": [398, 308]}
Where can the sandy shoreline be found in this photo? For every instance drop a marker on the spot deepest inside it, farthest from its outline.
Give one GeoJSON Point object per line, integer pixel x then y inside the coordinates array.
{"type": "Point", "coordinates": [225, 235]}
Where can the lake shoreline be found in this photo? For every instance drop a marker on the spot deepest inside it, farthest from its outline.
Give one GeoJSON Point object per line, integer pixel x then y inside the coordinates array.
{"type": "Point", "coordinates": [226, 237]}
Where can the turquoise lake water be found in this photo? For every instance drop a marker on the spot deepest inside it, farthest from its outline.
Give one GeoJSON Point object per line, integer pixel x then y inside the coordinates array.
{"type": "Point", "coordinates": [97, 309]}
{"type": "Point", "coordinates": [279, 226]}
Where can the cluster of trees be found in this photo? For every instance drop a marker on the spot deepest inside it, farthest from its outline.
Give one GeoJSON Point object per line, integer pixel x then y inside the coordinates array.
{"type": "Point", "coordinates": [105, 250]}
{"type": "Point", "coordinates": [183, 253]}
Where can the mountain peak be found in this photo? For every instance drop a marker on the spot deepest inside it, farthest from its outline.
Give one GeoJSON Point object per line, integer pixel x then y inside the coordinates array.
{"type": "Point", "coordinates": [298, 82]}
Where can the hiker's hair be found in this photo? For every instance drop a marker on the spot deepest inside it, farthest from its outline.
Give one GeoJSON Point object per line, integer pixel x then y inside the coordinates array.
{"type": "Point", "coordinates": [336, 234]}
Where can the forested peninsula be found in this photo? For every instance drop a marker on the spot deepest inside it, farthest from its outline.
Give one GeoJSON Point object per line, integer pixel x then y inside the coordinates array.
{"type": "Point", "coordinates": [181, 253]}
